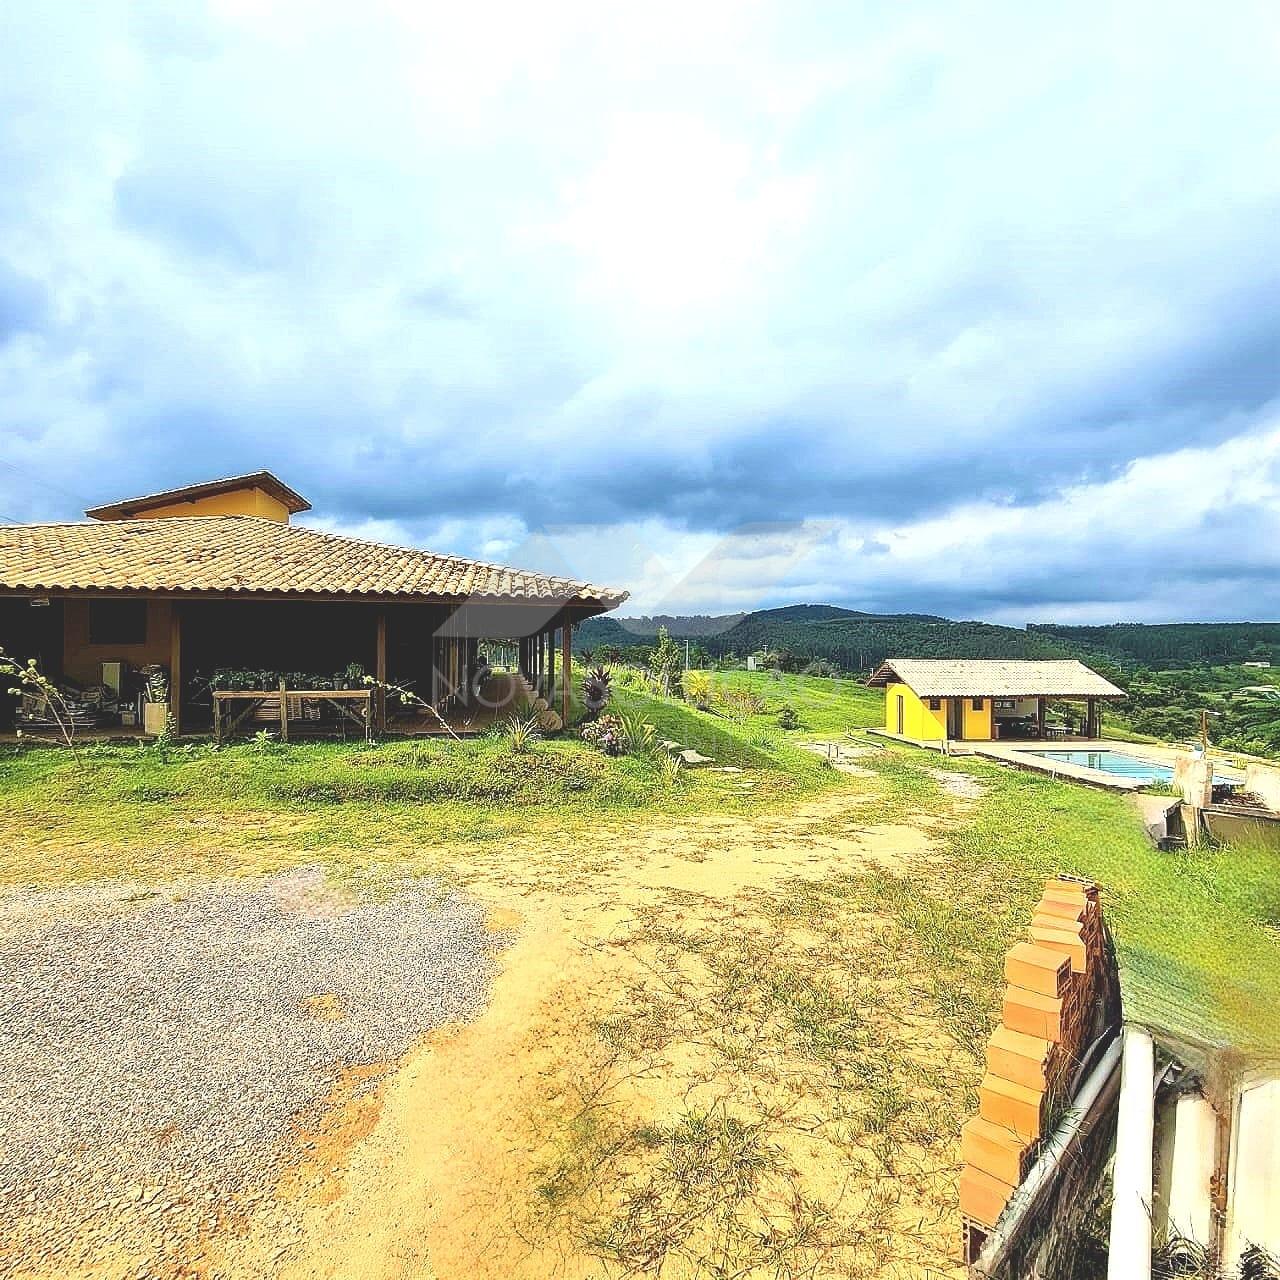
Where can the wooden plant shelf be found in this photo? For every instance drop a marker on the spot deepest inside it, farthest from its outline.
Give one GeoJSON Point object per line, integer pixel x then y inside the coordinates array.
{"type": "Point", "coordinates": [353, 704]}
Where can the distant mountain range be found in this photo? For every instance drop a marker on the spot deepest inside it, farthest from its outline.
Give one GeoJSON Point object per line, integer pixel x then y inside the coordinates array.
{"type": "Point", "coordinates": [856, 641]}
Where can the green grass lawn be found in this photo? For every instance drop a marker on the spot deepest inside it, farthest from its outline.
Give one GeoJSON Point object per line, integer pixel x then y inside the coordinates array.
{"type": "Point", "coordinates": [825, 707]}
{"type": "Point", "coordinates": [356, 798]}
{"type": "Point", "coordinates": [1198, 932]}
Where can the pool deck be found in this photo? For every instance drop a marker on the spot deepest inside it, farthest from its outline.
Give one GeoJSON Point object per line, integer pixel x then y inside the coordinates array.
{"type": "Point", "coordinates": [1020, 753]}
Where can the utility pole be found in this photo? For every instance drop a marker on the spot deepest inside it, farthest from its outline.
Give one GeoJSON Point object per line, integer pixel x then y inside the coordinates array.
{"type": "Point", "coordinates": [686, 653]}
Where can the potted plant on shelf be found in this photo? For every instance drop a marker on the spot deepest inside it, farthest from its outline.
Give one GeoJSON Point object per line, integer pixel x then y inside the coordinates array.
{"type": "Point", "coordinates": [155, 700]}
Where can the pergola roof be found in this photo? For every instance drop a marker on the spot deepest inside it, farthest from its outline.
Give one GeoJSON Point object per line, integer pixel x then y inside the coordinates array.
{"type": "Point", "coordinates": [994, 678]}
{"type": "Point", "coordinates": [248, 555]}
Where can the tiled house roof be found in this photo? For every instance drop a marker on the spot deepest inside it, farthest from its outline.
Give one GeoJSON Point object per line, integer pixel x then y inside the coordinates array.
{"type": "Point", "coordinates": [994, 678]}
{"type": "Point", "coordinates": [248, 554]}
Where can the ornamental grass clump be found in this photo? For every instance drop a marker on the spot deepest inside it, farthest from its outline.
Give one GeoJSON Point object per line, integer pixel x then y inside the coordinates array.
{"type": "Point", "coordinates": [521, 732]}
{"type": "Point", "coordinates": [640, 736]}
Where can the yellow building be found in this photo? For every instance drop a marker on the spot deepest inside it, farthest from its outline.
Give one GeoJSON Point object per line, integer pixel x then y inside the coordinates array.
{"type": "Point", "coordinates": [978, 700]}
{"type": "Point", "coordinates": [257, 494]}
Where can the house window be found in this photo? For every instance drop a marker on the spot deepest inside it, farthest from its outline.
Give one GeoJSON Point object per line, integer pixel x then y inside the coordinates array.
{"type": "Point", "coordinates": [117, 622]}
{"type": "Point", "coordinates": [935, 704]}
{"type": "Point", "coordinates": [976, 703]}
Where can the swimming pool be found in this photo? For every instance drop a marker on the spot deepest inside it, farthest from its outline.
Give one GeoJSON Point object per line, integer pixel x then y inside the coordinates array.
{"type": "Point", "coordinates": [1117, 762]}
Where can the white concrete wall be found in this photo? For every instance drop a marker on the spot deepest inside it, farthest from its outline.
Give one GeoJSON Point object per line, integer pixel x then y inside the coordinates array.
{"type": "Point", "coordinates": [1264, 781]}
{"type": "Point", "coordinates": [1194, 774]}
{"type": "Point", "coordinates": [1253, 1184]}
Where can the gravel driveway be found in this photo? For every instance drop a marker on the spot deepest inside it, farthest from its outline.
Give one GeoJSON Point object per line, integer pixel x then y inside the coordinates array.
{"type": "Point", "coordinates": [156, 1044]}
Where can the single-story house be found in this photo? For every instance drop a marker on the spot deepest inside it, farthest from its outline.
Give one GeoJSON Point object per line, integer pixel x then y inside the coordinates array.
{"type": "Point", "coordinates": [962, 699]}
{"type": "Point", "coordinates": [214, 577]}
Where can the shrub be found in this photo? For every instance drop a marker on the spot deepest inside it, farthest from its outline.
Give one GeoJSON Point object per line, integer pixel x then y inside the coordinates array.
{"type": "Point", "coordinates": [632, 679]}
{"type": "Point", "coordinates": [741, 703]}
{"type": "Point", "coordinates": [608, 734]}
{"type": "Point", "coordinates": [698, 688]}
{"type": "Point", "coordinates": [640, 736]}
{"type": "Point", "coordinates": [665, 663]}
{"type": "Point", "coordinates": [787, 718]}
{"type": "Point", "coordinates": [596, 690]}
{"type": "Point", "coordinates": [521, 732]}
{"type": "Point", "coordinates": [821, 667]}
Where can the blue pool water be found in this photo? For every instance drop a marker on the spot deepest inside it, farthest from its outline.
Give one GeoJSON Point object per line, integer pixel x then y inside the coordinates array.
{"type": "Point", "coordinates": [1117, 762]}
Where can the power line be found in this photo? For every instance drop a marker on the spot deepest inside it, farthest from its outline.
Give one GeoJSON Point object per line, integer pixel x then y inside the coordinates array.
{"type": "Point", "coordinates": [47, 484]}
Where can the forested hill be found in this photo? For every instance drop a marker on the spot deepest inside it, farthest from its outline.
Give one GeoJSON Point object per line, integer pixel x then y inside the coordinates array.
{"type": "Point", "coordinates": [856, 641]}
{"type": "Point", "coordinates": [1172, 644]}
{"type": "Point", "coordinates": [851, 639]}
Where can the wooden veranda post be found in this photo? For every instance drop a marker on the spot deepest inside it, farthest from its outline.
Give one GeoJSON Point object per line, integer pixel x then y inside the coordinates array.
{"type": "Point", "coordinates": [380, 673]}
{"type": "Point", "coordinates": [1039, 717]}
{"type": "Point", "coordinates": [175, 665]}
{"type": "Point", "coordinates": [566, 670]}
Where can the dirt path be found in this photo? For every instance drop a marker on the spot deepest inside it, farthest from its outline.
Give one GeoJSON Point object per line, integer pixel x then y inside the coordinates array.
{"type": "Point", "coordinates": [706, 1053]}
{"type": "Point", "coordinates": [498, 1146]}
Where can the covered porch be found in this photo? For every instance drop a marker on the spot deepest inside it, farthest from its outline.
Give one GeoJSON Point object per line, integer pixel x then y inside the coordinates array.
{"type": "Point", "coordinates": [426, 667]}
{"type": "Point", "coordinates": [424, 662]}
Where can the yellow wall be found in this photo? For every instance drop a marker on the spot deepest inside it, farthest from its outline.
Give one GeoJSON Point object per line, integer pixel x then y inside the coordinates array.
{"type": "Point", "coordinates": [919, 722]}
{"type": "Point", "coordinates": [977, 724]}
{"type": "Point", "coordinates": [239, 502]}
{"type": "Point", "coordinates": [83, 661]}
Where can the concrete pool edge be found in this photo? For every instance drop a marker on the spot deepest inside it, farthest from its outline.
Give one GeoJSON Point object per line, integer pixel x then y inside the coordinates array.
{"type": "Point", "coordinates": [1023, 756]}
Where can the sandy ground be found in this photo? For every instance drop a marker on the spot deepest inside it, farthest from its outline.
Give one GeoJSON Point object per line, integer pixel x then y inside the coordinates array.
{"type": "Point", "coordinates": [548, 1137]}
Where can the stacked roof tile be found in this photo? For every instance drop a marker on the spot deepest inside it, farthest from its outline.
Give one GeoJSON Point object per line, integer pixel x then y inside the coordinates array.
{"type": "Point", "coordinates": [994, 678]}
{"type": "Point", "coordinates": [250, 554]}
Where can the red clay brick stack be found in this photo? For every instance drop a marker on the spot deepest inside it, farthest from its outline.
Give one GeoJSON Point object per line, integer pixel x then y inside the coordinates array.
{"type": "Point", "coordinates": [1053, 982]}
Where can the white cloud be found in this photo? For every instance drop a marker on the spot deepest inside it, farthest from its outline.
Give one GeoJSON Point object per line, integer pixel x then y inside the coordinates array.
{"type": "Point", "coordinates": [919, 276]}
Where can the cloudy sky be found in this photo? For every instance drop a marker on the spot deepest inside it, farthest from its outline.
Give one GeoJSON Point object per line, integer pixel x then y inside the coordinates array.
{"type": "Point", "coordinates": [966, 309]}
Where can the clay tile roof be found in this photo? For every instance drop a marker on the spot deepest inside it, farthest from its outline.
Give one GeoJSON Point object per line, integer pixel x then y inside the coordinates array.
{"type": "Point", "coordinates": [994, 678]}
{"type": "Point", "coordinates": [264, 480]}
{"type": "Point", "coordinates": [253, 554]}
